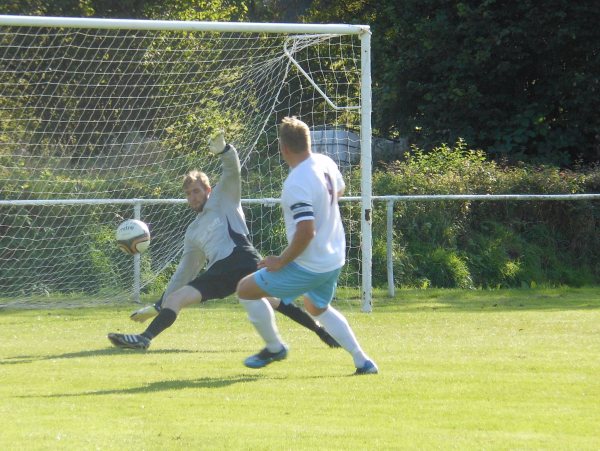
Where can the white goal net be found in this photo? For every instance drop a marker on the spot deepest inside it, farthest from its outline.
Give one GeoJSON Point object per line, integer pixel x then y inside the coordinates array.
{"type": "Point", "coordinates": [100, 120]}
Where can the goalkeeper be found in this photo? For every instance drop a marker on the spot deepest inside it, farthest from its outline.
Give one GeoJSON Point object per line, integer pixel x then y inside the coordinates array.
{"type": "Point", "coordinates": [217, 239]}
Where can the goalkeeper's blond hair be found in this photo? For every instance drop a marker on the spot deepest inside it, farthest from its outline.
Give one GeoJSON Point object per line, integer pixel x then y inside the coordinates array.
{"type": "Point", "coordinates": [294, 134]}
{"type": "Point", "coordinates": [193, 176]}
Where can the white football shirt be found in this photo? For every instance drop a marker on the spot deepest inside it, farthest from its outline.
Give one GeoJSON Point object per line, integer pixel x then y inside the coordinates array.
{"type": "Point", "coordinates": [310, 193]}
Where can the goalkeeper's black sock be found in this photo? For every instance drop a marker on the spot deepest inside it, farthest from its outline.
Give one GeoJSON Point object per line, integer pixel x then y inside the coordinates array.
{"type": "Point", "coordinates": [165, 318]}
{"type": "Point", "coordinates": [297, 314]}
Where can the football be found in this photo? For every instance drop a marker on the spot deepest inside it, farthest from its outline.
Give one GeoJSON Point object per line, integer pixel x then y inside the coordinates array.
{"type": "Point", "coordinates": [133, 236]}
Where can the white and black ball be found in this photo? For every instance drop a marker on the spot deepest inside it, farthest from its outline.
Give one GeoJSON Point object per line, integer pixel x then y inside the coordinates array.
{"type": "Point", "coordinates": [133, 236]}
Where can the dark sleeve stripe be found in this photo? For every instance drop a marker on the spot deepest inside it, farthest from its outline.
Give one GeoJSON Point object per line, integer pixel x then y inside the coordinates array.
{"type": "Point", "coordinates": [302, 210]}
{"type": "Point", "coordinates": [300, 205]}
{"type": "Point", "coordinates": [306, 214]}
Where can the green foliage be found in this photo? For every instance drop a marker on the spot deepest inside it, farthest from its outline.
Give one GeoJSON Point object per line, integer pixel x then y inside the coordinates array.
{"type": "Point", "coordinates": [199, 10]}
{"type": "Point", "coordinates": [101, 263]}
{"type": "Point", "coordinates": [519, 79]}
{"type": "Point", "coordinates": [445, 268]}
{"type": "Point", "coordinates": [131, 9]}
{"type": "Point", "coordinates": [486, 243]}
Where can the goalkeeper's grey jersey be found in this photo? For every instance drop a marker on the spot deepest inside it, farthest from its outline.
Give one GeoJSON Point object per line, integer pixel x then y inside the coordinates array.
{"type": "Point", "coordinates": [217, 229]}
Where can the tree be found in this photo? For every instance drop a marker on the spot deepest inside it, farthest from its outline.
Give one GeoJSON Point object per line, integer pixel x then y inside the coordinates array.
{"type": "Point", "coordinates": [131, 9]}
{"type": "Point", "coordinates": [517, 78]}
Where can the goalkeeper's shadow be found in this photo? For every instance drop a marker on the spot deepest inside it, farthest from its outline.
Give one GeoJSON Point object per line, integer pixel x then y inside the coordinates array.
{"type": "Point", "coordinates": [160, 386]}
{"type": "Point", "coordinates": [91, 353]}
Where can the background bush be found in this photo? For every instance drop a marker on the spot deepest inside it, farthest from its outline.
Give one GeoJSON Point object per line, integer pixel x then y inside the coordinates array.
{"type": "Point", "coordinates": [486, 243]}
{"type": "Point", "coordinates": [519, 79]}
{"type": "Point", "coordinates": [436, 243]}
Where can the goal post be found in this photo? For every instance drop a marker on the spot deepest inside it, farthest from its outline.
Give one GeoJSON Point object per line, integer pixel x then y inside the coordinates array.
{"type": "Point", "coordinates": [97, 112]}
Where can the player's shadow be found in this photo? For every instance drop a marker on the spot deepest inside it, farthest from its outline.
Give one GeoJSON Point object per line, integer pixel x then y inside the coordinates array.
{"type": "Point", "coordinates": [160, 386]}
{"type": "Point", "coordinates": [92, 353]}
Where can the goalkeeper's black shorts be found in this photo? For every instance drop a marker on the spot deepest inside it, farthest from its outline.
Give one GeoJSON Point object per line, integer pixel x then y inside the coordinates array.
{"type": "Point", "coordinates": [221, 279]}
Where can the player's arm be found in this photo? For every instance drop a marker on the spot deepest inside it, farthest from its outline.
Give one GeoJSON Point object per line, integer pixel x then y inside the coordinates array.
{"type": "Point", "coordinates": [340, 185]}
{"type": "Point", "coordinates": [230, 182]}
{"type": "Point", "coordinates": [189, 266]}
{"type": "Point", "coordinates": [305, 232]}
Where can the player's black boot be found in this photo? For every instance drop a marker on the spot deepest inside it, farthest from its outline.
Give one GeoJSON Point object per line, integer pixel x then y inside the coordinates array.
{"type": "Point", "coordinates": [129, 341]}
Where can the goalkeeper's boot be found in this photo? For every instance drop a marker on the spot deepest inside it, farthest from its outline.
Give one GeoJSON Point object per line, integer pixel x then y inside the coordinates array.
{"type": "Point", "coordinates": [129, 341]}
{"type": "Point", "coordinates": [145, 313]}
{"type": "Point", "coordinates": [368, 368]}
{"type": "Point", "coordinates": [326, 338]}
{"type": "Point", "coordinates": [264, 357]}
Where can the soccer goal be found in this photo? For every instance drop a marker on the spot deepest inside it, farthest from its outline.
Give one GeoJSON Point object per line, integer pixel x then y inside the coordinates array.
{"type": "Point", "coordinates": [101, 118]}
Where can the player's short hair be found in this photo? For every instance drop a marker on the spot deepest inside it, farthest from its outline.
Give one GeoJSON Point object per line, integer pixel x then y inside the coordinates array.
{"type": "Point", "coordinates": [194, 176]}
{"type": "Point", "coordinates": [294, 134]}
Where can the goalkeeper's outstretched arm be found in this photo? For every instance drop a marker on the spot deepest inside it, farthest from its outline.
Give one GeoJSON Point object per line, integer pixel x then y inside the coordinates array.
{"type": "Point", "coordinates": [230, 182]}
{"type": "Point", "coordinates": [188, 268]}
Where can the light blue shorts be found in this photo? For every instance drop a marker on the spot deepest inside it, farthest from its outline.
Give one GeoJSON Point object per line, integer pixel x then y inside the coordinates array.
{"type": "Point", "coordinates": [293, 281]}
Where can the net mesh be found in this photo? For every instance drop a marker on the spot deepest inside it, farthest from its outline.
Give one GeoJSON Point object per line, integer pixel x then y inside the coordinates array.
{"type": "Point", "coordinates": [96, 118]}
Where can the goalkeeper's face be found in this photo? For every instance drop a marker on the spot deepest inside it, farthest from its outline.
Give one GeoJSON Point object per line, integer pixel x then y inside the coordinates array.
{"type": "Point", "coordinates": [197, 195]}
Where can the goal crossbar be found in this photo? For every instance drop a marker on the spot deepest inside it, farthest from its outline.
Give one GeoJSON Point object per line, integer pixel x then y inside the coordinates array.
{"type": "Point", "coordinates": [180, 25]}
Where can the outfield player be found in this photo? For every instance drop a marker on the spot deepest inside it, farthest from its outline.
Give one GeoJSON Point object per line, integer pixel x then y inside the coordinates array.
{"type": "Point", "coordinates": [311, 263]}
{"type": "Point", "coordinates": [217, 239]}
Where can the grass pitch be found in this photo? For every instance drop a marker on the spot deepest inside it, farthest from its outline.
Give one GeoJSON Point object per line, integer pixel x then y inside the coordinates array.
{"type": "Point", "coordinates": [458, 370]}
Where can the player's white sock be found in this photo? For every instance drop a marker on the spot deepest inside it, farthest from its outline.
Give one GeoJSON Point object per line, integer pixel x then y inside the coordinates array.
{"type": "Point", "coordinates": [336, 324]}
{"type": "Point", "coordinates": [260, 313]}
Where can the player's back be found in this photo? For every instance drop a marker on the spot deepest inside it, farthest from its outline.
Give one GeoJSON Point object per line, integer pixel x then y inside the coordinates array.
{"type": "Point", "coordinates": [314, 185]}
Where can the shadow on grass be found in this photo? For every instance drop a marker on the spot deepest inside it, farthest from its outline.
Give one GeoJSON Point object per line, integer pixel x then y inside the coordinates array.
{"type": "Point", "coordinates": [449, 300]}
{"type": "Point", "coordinates": [160, 386]}
{"type": "Point", "coordinates": [98, 353]}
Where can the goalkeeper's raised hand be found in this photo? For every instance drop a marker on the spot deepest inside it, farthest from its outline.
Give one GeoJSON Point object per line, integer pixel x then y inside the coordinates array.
{"type": "Point", "coordinates": [216, 143]}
